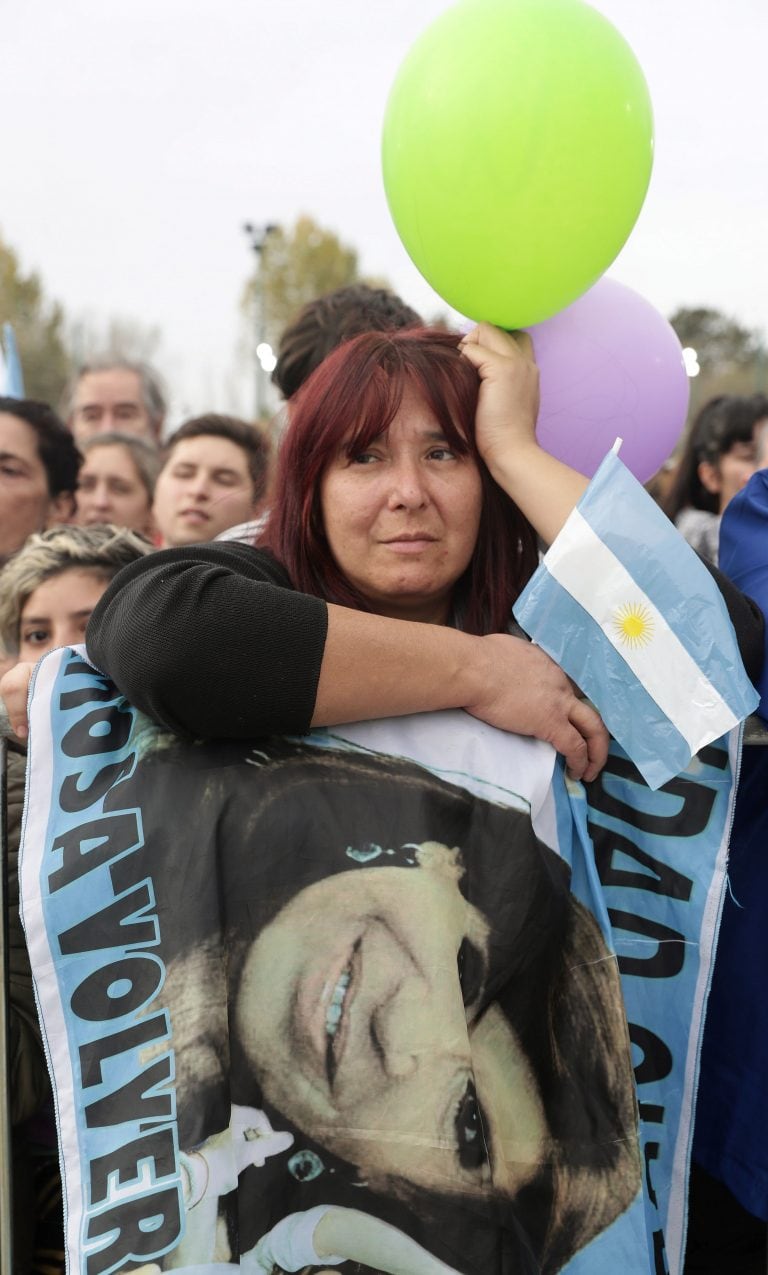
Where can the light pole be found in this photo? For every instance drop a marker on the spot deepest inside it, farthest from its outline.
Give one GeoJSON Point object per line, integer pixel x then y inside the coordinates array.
{"type": "Point", "coordinates": [257, 237]}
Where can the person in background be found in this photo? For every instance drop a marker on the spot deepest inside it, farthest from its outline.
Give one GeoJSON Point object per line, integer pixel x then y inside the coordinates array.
{"type": "Point", "coordinates": [728, 1203]}
{"type": "Point", "coordinates": [50, 587]}
{"type": "Point", "coordinates": [117, 482]}
{"type": "Point", "coordinates": [328, 321]}
{"type": "Point", "coordinates": [109, 394]}
{"type": "Point", "coordinates": [761, 443]}
{"type": "Point", "coordinates": [317, 329]}
{"type": "Point", "coordinates": [39, 464]}
{"type": "Point", "coordinates": [717, 460]}
{"type": "Point", "coordinates": [47, 592]}
{"type": "Point", "coordinates": [214, 475]}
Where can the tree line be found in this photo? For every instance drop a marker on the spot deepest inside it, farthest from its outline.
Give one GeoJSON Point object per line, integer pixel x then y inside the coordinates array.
{"type": "Point", "coordinates": [294, 265]}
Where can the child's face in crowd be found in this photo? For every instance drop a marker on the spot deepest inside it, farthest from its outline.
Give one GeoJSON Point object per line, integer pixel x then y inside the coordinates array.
{"type": "Point", "coordinates": [57, 612]}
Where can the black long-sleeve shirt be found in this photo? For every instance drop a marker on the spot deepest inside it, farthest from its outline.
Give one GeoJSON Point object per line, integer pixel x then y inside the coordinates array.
{"type": "Point", "coordinates": [212, 641]}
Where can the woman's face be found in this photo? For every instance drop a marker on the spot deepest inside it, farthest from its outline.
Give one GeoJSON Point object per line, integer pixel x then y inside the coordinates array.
{"type": "Point", "coordinates": [110, 489]}
{"type": "Point", "coordinates": [402, 517]}
{"type": "Point", "coordinates": [351, 1014]}
{"type": "Point", "coordinates": [57, 612]}
{"type": "Point", "coordinates": [731, 472]}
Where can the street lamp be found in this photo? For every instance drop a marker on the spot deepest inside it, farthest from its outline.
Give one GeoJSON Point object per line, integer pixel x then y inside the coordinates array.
{"type": "Point", "coordinates": [257, 238]}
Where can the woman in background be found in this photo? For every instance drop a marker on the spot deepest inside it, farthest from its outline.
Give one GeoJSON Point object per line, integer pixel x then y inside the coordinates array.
{"type": "Point", "coordinates": [47, 592]}
{"type": "Point", "coordinates": [49, 589]}
{"type": "Point", "coordinates": [719, 457]}
{"type": "Point", "coordinates": [117, 482]}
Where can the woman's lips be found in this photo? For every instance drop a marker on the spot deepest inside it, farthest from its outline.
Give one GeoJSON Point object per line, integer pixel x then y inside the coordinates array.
{"type": "Point", "coordinates": [409, 544]}
{"type": "Point", "coordinates": [323, 1004]}
{"type": "Point", "coordinates": [336, 1001]}
{"type": "Point", "coordinates": [337, 1013]}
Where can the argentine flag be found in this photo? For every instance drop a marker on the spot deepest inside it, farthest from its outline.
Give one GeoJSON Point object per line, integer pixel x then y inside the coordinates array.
{"type": "Point", "coordinates": [629, 611]}
{"type": "Point", "coordinates": [11, 378]}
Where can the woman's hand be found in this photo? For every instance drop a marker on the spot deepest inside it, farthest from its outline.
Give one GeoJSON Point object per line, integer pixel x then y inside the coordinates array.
{"type": "Point", "coordinates": [14, 689]}
{"type": "Point", "coordinates": [215, 1166]}
{"type": "Point", "coordinates": [250, 1139]}
{"type": "Point", "coordinates": [508, 403]}
{"type": "Point", "coordinates": [523, 690]}
{"type": "Point", "coordinates": [544, 490]}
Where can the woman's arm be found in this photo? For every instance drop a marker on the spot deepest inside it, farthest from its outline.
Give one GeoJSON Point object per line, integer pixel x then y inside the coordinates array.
{"type": "Point", "coordinates": [375, 667]}
{"type": "Point", "coordinates": [547, 491]}
{"type": "Point", "coordinates": [212, 642]}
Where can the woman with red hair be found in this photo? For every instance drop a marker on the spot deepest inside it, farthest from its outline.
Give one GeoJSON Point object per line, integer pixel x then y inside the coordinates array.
{"type": "Point", "coordinates": [409, 496]}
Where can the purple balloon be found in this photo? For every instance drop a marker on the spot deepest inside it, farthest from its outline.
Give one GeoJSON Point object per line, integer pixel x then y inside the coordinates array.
{"type": "Point", "coordinates": [611, 367]}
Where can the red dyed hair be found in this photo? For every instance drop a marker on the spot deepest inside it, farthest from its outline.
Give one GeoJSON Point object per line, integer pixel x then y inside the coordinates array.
{"type": "Point", "coordinates": [348, 401]}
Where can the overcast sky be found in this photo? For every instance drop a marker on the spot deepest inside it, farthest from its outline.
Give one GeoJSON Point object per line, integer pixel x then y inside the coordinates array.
{"type": "Point", "coordinates": [138, 136]}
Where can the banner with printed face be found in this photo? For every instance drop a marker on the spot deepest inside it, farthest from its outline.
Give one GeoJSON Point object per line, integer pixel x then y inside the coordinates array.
{"type": "Point", "coordinates": [384, 999]}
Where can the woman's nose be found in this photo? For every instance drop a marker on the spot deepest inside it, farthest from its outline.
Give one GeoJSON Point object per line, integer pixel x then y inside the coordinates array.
{"type": "Point", "coordinates": [408, 490]}
{"type": "Point", "coordinates": [393, 1028]}
{"type": "Point", "coordinates": [417, 1024]}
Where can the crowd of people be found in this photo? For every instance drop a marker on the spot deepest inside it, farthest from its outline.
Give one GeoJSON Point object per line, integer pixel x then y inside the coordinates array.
{"type": "Point", "coordinates": [368, 569]}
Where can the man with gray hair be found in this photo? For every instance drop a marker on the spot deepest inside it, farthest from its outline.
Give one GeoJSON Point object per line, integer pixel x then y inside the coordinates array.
{"type": "Point", "coordinates": [115, 394]}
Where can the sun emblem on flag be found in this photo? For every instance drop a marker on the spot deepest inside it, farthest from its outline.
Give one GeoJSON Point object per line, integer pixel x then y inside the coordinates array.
{"type": "Point", "coordinates": [633, 624]}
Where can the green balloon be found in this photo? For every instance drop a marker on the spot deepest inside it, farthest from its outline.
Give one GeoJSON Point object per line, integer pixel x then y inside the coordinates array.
{"type": "Point", "coordinates": [517, 151]}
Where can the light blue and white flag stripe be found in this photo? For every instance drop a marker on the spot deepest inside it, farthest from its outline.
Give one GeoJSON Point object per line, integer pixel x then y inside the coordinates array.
{"type": "Point", "coordinates": [629, 611]}
{"type": "Point", "coordinates": [11, 378]}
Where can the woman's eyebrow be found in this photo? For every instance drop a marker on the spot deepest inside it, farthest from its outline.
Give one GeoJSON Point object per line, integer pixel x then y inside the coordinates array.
{"type": "Point", "coordinates": [46, 619]}
{"type": "Point", "coordinates": [431, 435]}
{"type": "Point", "coordinates": [14, 456]}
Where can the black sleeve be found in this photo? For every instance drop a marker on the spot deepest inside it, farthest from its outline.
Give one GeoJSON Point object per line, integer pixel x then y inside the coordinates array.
{"type": "Point", "coordinates": [747, 620]}
{"type": "Point", "coordinates": [211, 641]}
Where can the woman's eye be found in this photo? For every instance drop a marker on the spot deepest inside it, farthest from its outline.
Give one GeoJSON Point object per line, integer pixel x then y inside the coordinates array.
{"type": "Point", "coordinates": [363, 458]}
{"type": "Point", "coordinates": [442, 453]}
{"type": "Point", "coordinates": [36, 637]}
{"type": "Point", "coordinates": [11, 471]}
{"type": "Point", "coordinates": [470, 1138]}
{"type": "Point", "coordinates": [471, 964]}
